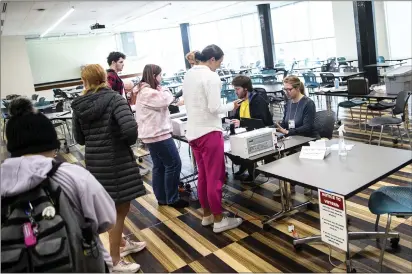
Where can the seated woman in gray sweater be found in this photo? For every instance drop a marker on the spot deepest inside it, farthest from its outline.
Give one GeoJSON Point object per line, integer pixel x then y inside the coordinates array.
{"type": "Point", "coordinates": [299, 114]}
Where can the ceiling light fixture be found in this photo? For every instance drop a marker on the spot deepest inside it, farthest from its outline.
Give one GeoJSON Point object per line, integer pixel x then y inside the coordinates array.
{"type": "Point", "coordinates": [58, 22]}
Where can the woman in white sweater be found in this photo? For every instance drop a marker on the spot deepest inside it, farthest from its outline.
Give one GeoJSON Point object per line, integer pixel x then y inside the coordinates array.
{"type": "Point", "coordinates": [202, 87]}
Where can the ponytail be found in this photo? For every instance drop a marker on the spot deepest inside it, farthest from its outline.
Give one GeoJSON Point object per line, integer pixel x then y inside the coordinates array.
{"type": "Point", "coordinates": [209, 52]}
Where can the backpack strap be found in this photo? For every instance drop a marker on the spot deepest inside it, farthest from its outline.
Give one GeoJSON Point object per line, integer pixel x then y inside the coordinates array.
{"type": "Point", "coordinates": [53, 194]}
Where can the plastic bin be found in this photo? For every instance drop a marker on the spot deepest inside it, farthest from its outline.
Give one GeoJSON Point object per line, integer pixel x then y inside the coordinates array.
{"type": "Point", "coordinates": [398, 80]}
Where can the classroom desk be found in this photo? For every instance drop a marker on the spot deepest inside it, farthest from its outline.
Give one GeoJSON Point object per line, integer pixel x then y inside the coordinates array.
{"type": "Point", "coordinates": [307, 68]}
{"type": "Point", "coordinates": [341, 74]}
{"type": "Point", "coordinates": [63, 116]}
{"type": "Point", "coordinates": [346, 176]}
{"type": "Point", "coordinates": [380, 65]}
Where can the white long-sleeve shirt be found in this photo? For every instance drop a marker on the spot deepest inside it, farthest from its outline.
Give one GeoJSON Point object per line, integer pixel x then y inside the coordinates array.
{"type": "Point", "coordinates": [201, 93]}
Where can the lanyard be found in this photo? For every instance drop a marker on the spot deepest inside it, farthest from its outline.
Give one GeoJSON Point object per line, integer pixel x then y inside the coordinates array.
{"type": "Point", "coordinates": [296, 110]}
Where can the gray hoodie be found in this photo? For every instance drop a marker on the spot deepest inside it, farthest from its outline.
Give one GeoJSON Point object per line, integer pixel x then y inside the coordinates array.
{"type": "Point", "coordinates": [81, 188]}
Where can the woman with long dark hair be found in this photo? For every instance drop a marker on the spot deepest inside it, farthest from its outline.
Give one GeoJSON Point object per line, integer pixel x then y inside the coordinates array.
{"type": "Point", "coordinates": [155, 127]}
{"type": "Point", "coordinates": [202, 88]}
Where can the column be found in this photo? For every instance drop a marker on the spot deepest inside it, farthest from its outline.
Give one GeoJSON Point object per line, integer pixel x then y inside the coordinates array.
{"type": "Point", "coordinates": [265, 19]}
{"type": "Point", "coordinates": [365, 38]}
{"type": "Point", "coordinates": [184, 31]}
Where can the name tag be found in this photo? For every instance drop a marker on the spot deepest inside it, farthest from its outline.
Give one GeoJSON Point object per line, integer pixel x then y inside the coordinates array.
{"type": "Point", "coordinates": [291, 124]}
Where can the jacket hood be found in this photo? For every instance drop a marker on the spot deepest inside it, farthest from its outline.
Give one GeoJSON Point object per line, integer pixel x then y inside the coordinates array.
{"type": "Point", "coordinates": [21, 174]}
{"type": "Point", "coordinates": [92, 106]}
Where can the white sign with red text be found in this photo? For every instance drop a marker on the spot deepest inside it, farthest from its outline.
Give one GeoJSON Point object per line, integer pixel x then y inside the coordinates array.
{"type": "Point", "coordinates": [333, 223]}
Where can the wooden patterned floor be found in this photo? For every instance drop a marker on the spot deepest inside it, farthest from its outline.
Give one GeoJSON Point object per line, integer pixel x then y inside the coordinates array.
{"type": "Point", "coordinates": [176, 241]}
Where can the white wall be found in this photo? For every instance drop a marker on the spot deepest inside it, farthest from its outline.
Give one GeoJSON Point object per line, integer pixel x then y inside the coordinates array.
{"type": "Point", "coordinates": [16, 77]}
{"type": "Point", "coordinates": [380, 29]}
{"type": "Point", "coordinates": [60, 59]}
{"type": "Point", "coordinates": [344, 23]}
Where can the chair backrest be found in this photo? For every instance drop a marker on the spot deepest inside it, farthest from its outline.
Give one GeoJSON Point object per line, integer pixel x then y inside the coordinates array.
{"type": "Point", "coordinates": [358, 86]}
{"type": "Point", "coordinates": [256, 80]}
{"type": "Point", "coordinates": [327, 78]}
{"type": "Point", "coordinates": [325, 123]}
{"type": "Point", "coordinates": [34, 97]}
{"type": "Point", "coordinates": [42, 100]}
{"type": "Point", "coordinates": [380, 59]}
{"type": "Point", "coordinates": [309, 77]}
{"type": "Point", "coordinates": [59, 106]}
{"type": "Point", "coordinates": [400, 104]}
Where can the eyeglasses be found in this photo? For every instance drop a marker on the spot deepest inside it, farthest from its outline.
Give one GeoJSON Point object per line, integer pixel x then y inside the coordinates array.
{"type": "Point", "coordinates": [288, 89]}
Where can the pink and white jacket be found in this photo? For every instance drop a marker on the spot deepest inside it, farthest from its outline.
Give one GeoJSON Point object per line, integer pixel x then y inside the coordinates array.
{"type": "Point", "coordinates": [152, 113]}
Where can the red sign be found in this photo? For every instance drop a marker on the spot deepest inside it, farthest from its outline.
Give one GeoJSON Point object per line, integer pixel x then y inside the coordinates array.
{"type": "Point", "coordinates": [331, 200]}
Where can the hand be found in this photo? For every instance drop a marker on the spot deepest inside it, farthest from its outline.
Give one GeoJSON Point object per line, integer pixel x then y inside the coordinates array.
{"type": "Point", "coordinates": [236, 104]}
{"type": "Point", "coordinates": [236, 122]}
{"type": "Point", "coordinates": [181, 102]}
{"type": "Point", "coordinates": [281, 129]}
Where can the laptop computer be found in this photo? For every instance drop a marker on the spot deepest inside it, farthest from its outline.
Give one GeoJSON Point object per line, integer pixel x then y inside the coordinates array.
{"type": "Point", "coordinates": [251, 124]}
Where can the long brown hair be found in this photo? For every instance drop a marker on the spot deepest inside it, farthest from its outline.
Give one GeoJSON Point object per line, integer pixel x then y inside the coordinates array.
{"type": "Point", "coordinates": [149, 75]}
{"type": "Point", "coordinates": [94, 78]}
{"type": "Point", "coordinates": [295, 82]}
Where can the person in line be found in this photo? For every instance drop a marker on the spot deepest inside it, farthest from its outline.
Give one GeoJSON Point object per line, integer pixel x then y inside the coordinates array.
{"type": "Point", "coordinates": [299, 114]}
{"type": "Point", "coordinates": [254, 106]}
{"type": "Point", "coordinates": [190, 57]}
{"type": "Point", "coordinates": [115, 60]}
{"type": "Point", "coordinates": [104, 123]}
{"type": "Point", "coordinates": [202, 89]}
{"type": "Point", "coordinates": [155, 127]}
{"type": "Point", "coordinates": [32, 143]}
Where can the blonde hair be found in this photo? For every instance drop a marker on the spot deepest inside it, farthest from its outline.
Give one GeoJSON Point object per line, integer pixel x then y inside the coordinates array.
{"type": "Point", "coordinates": [295, 82]}
{"type": "Point", "coordinates": [191, 57]}
{"type": "Point", "coordinates": [94, 77]}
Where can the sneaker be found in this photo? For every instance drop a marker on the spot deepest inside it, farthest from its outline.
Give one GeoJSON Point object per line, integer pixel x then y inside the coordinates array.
{"type": "Point", "coordinates": [226, 223]}
{"type": "Point", "coordinates": [126, 267]}
{"type": "Point", "coordinates": [131, 247]}
{"type": "Point", "coordinates": [307, 191]}
{"type": "Point", "coordinates": [143, 171]}
{"type": "Point", "coordinates": [180, 204]}
{"type": "Point", "coordinates": [206, 221]}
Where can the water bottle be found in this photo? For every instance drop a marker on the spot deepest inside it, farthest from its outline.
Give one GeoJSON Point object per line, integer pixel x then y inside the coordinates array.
{"type": "Point", "coordinates": [336, 83]}
{"type": "Point", "coordinates": [342, 146]}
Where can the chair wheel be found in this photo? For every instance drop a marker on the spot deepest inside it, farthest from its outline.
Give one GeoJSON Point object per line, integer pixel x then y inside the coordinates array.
{"type": "Point", "coordinates": [266, 227]}
{"type": "Point", "coordinates": [394, 242]}
{"type": "Point", "coordinates": [298, 247]}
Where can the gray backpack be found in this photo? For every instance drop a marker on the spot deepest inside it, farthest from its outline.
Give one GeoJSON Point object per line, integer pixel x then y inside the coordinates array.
{"type": "Point", "coordinates": [41, 232]}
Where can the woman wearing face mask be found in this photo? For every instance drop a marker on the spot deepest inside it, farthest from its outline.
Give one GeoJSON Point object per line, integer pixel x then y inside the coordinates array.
{"type": "Point", "coordinates": [155, 127]}
{"type": "Point", "coordinates": [202, 86]}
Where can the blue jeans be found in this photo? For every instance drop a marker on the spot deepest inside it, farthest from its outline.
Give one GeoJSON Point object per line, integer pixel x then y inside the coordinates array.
{"type": "Point", "coordinates": [166, 171]}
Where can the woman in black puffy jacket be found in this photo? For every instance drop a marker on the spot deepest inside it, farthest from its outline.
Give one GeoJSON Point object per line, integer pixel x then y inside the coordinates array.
{"type": "Point", "coordinates": [104, 123]}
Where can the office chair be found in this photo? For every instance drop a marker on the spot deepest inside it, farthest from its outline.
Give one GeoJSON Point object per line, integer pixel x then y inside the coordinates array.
{"type": "Point", "coordinates": [379, 106]}
{"type": "Point", "coordinates": [325, 123]}
{"type": "Point", "coordinates": [328, 80]}
{"type": "Point", "coordinates": [311, 83]}
{"type": "Point", "coordinates": [399, 108]}
{"type": "Point", "coordinates": [394, 201]}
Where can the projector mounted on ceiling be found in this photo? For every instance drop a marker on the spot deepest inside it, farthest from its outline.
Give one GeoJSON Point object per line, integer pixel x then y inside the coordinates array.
{"type": "Point", "coordinates": [97, 26]}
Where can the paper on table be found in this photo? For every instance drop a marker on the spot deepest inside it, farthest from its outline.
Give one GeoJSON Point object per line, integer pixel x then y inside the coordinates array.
{"type": "Point", "coordinates": [336, 147]}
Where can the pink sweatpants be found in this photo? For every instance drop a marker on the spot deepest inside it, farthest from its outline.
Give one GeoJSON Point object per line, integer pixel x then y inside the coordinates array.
{"type": "Point", "coordinates": [209, 155]}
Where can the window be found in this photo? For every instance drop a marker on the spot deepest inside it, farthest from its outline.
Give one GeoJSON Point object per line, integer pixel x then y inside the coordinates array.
{"type": "Point", "coordinates": [161, 47]}
{"type": "Point", "coordinates": [239, 37]}
{"type": "Point", "coordinates": [303, 30]}
{"type": "Point", "coordinates": [398, 24]}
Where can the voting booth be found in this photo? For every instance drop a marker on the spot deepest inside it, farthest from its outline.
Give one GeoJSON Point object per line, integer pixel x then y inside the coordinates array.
{"type": "Point", "coordinates": [398, 79]}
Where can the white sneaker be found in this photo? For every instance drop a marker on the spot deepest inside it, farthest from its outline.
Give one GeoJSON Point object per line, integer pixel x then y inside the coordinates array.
{"type": "Point", "coordinates": [307, 191]}
{"type": "Point", "coordinates": [226, 223]}
{"type": "Point", "coordinates": [144, 171]}
{"type": "Point", "coordinates": [126, 267]}
{"type": "Point", "coordinates": [131, 247]}
{"type": "Point", "coordinates": [206, 221]}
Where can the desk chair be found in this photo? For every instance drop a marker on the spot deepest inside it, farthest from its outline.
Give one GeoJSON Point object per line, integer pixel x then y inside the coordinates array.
{"type": "Point", "coordinates": [399, 108]}
{"type": "Point", "coordinates": [311, 83]}
{"type": "Point", "coordinates": [328, 80]}
{"type": "Point", "coordinates": [324, 123]}
{"type": "Point", "coordinates": [379, 106]}
{"type": "Point", "coordinates": [394, 201]}
{"type": "Point", "coordinates": [256, 79]}
{"type": "Point", "coordinates": [277, 101]}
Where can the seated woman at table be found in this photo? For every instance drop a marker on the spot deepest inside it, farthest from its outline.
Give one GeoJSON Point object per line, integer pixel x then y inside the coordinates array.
{"type": "Point", "coordinates": [299, 114]}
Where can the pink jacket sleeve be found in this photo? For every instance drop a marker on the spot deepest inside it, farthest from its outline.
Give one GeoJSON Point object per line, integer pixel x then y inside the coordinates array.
{"type": "Point", "coordinates": [155, 99]}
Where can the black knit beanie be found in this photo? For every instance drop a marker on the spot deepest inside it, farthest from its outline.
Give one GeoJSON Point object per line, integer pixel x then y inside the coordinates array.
{"type": "Point", "coordinates": [28, 131]}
